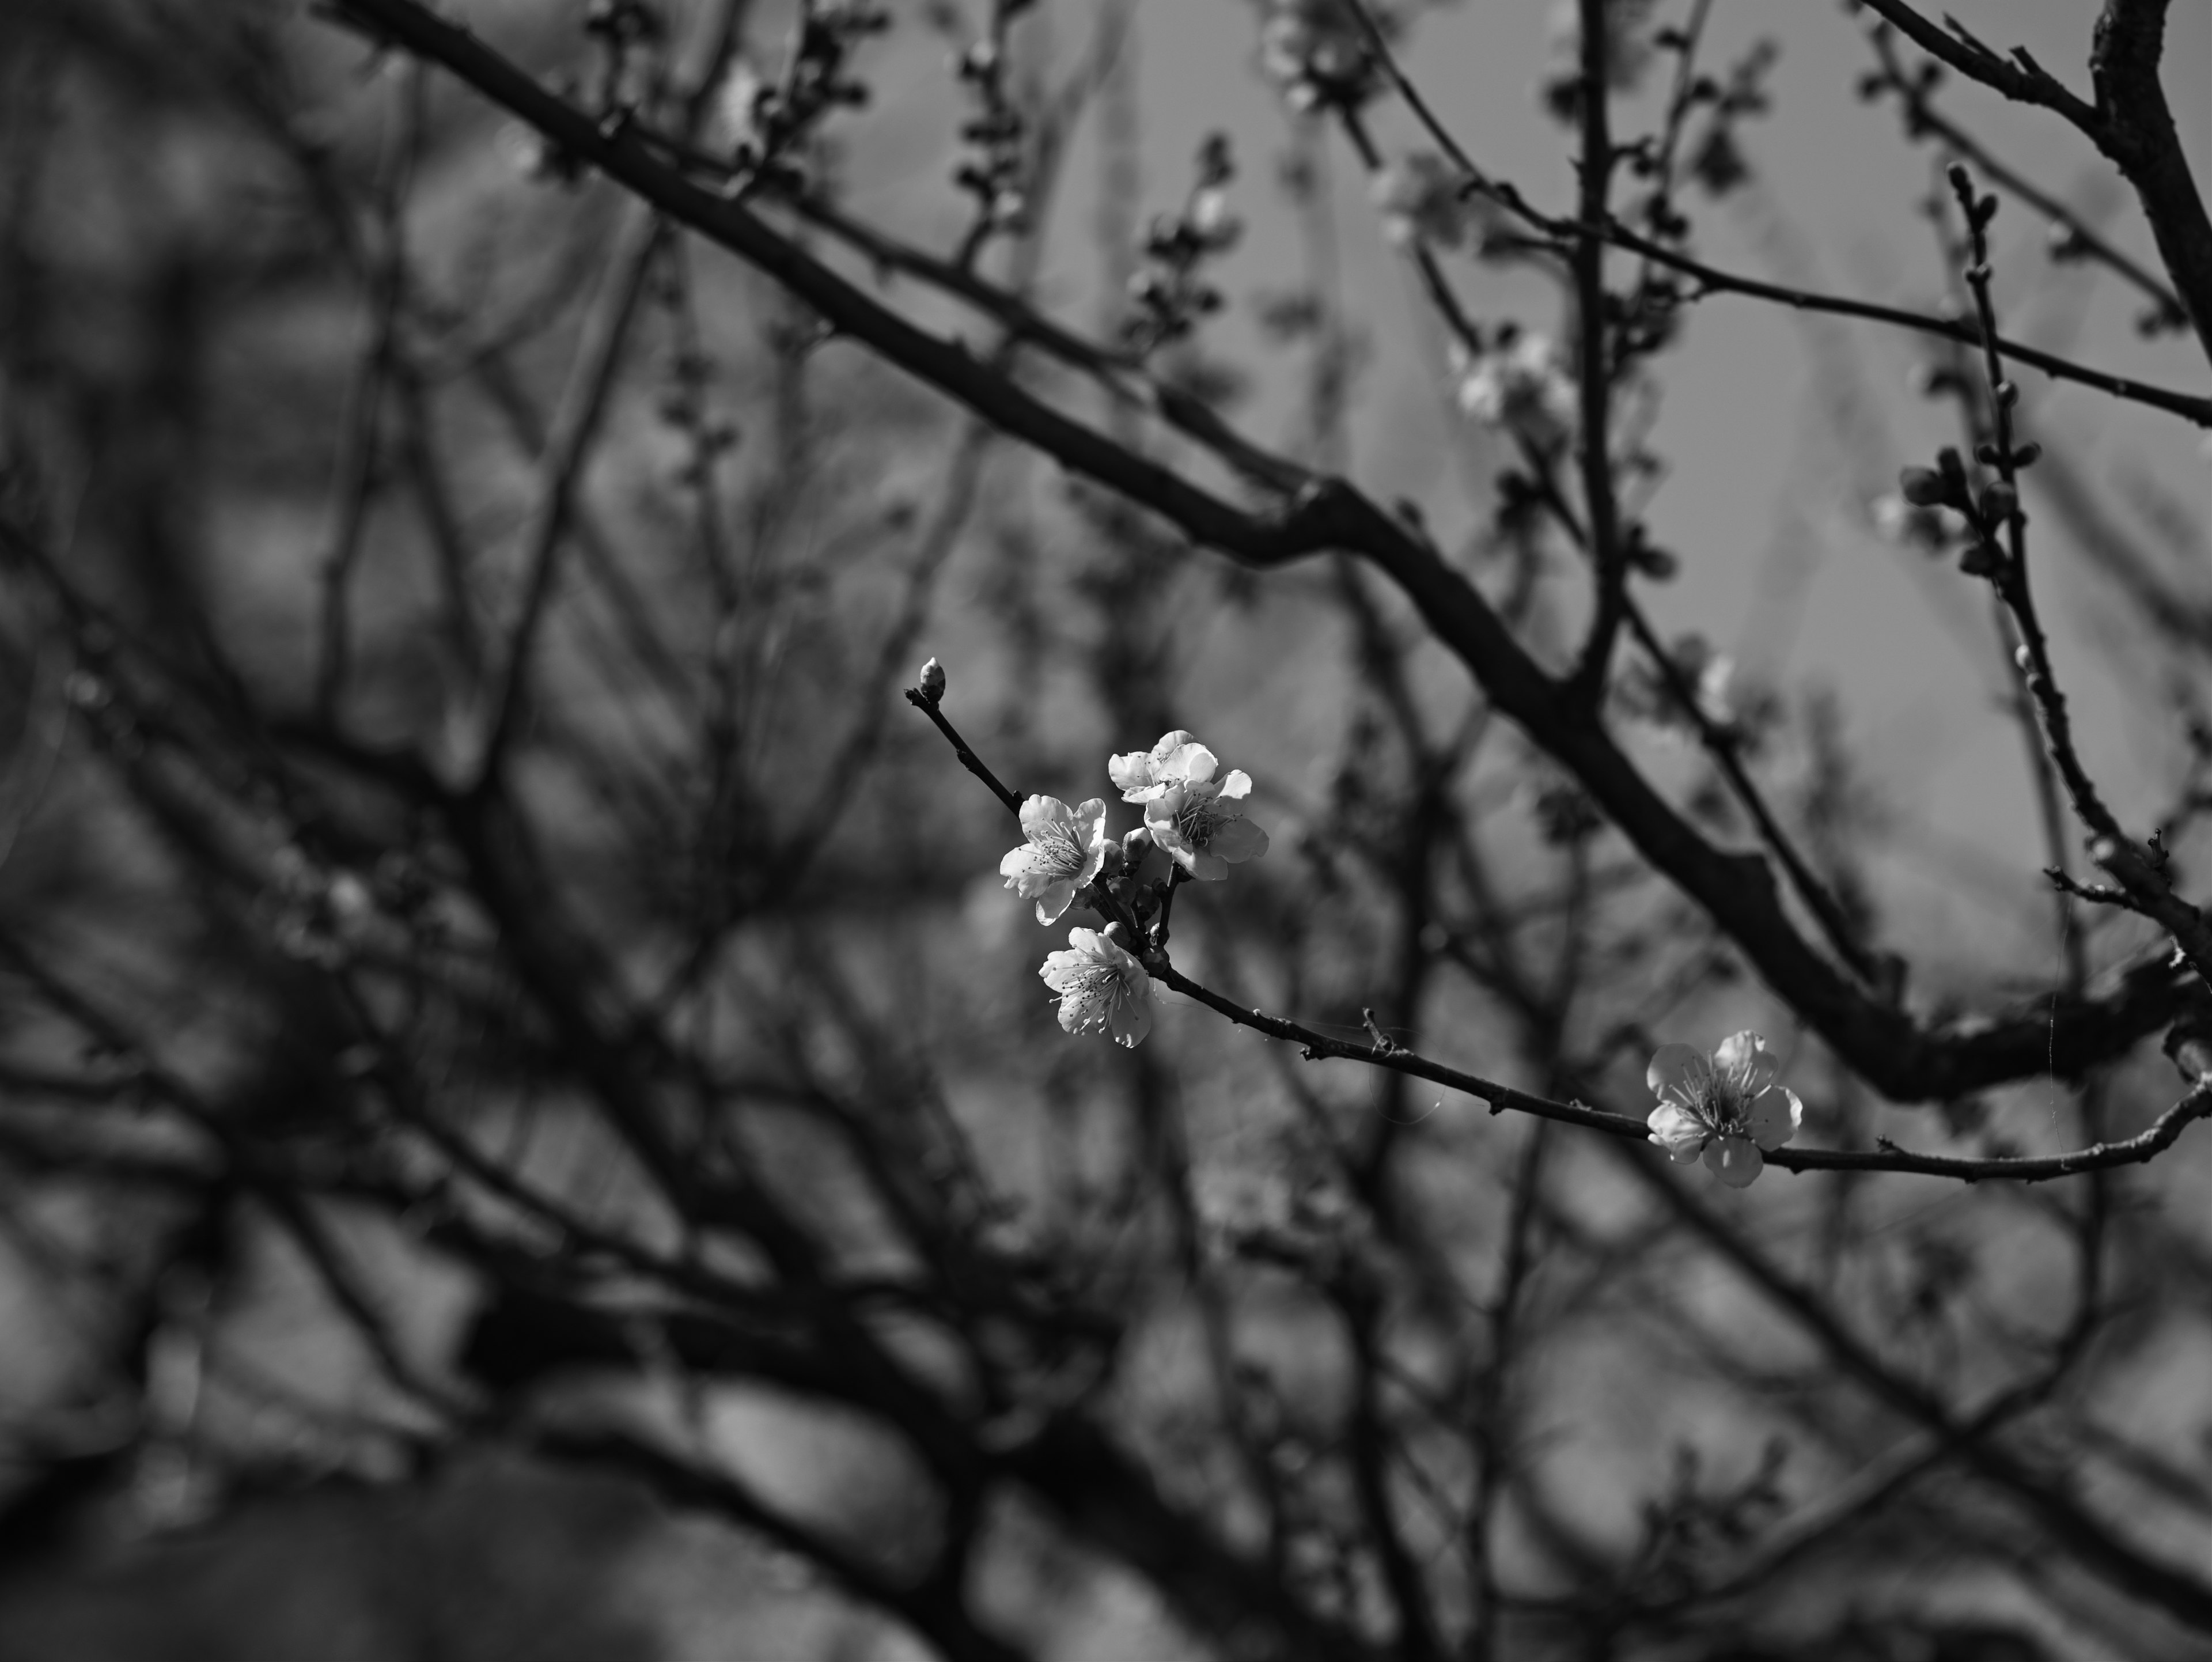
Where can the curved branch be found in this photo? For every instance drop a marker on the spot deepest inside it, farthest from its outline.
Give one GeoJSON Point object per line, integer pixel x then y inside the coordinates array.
{"type": "Point", "coordinates": [1905, 1059]}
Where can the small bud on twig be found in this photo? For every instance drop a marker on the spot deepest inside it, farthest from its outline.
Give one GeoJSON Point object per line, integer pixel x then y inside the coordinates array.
{"type": "Point", "coordinates": [933, 681]}
{"type": "Point", "coordinates": [1922, 487]}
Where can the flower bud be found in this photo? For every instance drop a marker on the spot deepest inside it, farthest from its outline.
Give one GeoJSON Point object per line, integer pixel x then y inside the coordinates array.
{"type": "Point", "coordinates": [1999, 500]}
{"type": "Point", "coordinates": [932, 680]}
{"type": "Point", "coordinates": [1922, 486]}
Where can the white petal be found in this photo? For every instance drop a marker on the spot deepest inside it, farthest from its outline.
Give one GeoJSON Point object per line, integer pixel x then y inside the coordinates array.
{"type": "Point", "coordinates": [1055, 899]}
{"type": "Point", "coordinates": [1041, 813]}
{"type": "Point", "coordinates": [1131, 1021]}
{"type": "Point", "coordinates": [1679, 1072]}
{"type": "Point", "coordinates": [1681, 1133]}
{"type": "Point", "coordinates": [1735, 1160]}
{"type": "Point", "coordinates": [1117, 958]}
{"type": "Point", "coordinates": [1775, 1117]}
{"type": "Point", "coordinates": [1237, 786]}
{"type": "Point", "coordinates": [1745, 1056]}
{"type": "Point", "coordinates": [1133, 773]}
{"type": "Point", "coordinates": [1193, 763]}
{"type": "Point", "coordinates": [1171, 742]}
{"type": "Point", "coordinates": [1237, 841]}
{"type": "Point", "coordinates": [1203, 862]}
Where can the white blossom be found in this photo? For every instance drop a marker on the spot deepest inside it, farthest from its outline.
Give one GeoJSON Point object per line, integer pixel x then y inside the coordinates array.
{"type": "Point", "coordinates": [1064, 849]}
{"type": "Point", "coordinates": [1724, 1109]}
{"type": "Point", "coordinates": [1102, 988]}
{"type": "Point", "coordinates": [1198, 819]}
{"type": "Point", "coordinates": [1422, 199]}
{"type": "Point", "coordinates": [1521, 385]}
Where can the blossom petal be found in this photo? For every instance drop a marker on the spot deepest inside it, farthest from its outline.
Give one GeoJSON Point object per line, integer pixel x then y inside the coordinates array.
{"type": "Point", "coordinates": [1237, 786]}
{"type": "Point", "coordinates": [1015, 865]}
{"type": "Point", "coordinates": [1055, 899]}
{"type": "Point", "coordinates": [1133, 773]}
{"type": "Point", "coordinates": [1202, 862]}
{"type": "Point", "coordinates": [1041, 813]}
{"type": "Point", "coordinates": [1677, 1130]}
{"type": "Point", "coordinates": [1775, 1116]}
{"type": "Point", "coordinates": [1192, 764]}
{"type": "Point", "coordinates": [1117, 958]}
{"type": "Point", "coordinates": [1133, 1020]}
{"type": "Point", "coordinates": [1744, 1057]}
{"type": "Point", "coordinates": [1170, 743]}
{"type": "Point", "coordinates": [1735, 1160]}
{"type": "Point", "coordinates": [1678, 1072]}
{"type": "Point", "coordinates": [1237, 841]}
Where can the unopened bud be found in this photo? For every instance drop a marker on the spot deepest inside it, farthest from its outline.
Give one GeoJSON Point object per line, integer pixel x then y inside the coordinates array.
{"type": "Point", "coordinates": [932, 680]}
{"type": "Point", "coordinates": [1980, 560]}
{"type": "Point", "coordinates": [1999, 500]}
{"type": "Point", "coordinates": [1922, 486]}
{"type": "Point", "coordinates": [1136, 844]}
{"type": "Point", "coordinates": [2027, 455]}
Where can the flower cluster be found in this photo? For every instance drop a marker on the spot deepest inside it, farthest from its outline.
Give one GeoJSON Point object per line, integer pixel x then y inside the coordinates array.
{"type": "Point", "coordinates": [1724, 1109]}
{"type": "Point", "coordinates": [1424, 200]}
{"type": "Point", "coordinates": [1198, 819]}
{"type": "Point", "coordinates": [1171, 290]}
{"type": "Point", "coordinates": [767, 122]}
{"type": "Point", "coordinates": [1067, 857]}
{"type": "Point", "coordinates": [991, 172]}
{"type": "Point", "coordinates": [1520, 385]}
{"type": "Point", "coordinates": [1317, 50]}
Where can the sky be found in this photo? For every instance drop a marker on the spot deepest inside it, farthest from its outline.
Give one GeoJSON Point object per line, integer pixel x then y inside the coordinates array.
{"type": "Point", "coordinates": [1778, 430]}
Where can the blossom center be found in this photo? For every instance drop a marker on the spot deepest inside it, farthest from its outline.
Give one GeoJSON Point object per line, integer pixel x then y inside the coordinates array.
{"type": "Point", "coordinates": [1198, 819]}
{"type": "Point", "coordinates": [1061, 852]}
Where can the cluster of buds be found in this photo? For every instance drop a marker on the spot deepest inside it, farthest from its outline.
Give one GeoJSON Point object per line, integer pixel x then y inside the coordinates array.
{"type": "Point", "coordinates": [687, 405]}
{"type": "Point", "coordinates": [1319, 52]}
{"type": "Point", "coordinates": [321, 914]}
{"type": "Point", "coordinates": [1696, 681]}
{"type": "Point", "coordinates": [767, 122]}
{"type": "Point", "coordinates": [992, 174]}
{"type": "Point", "coordinates": [1519, 383]}
{"type": "Point", "coordinates": [1946, 485]}
{"type": "Point", "coordinates": [1424, 203]}
{"type": "Point", "coordinates": [1171, 291]}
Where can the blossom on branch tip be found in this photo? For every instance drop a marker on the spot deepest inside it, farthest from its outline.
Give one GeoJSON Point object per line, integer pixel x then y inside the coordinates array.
{"type": "Point", "coordinates": [1317, 50]}
{"type": "Point", "coordinates": [1421, 199]}
{"type": "Point", "coordinates": [1198, 819]}
{"type": "Point", "coordinates": [1064, 849]}
{"type": "Point", "coordinates": [1520, 385]}
{"type": "Point", "coordinates": [1724, 1108]}
{"type": "Point", "coordinates": [1139, 774]}
{"type": "Point", "coordinates": [1102, 988]}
